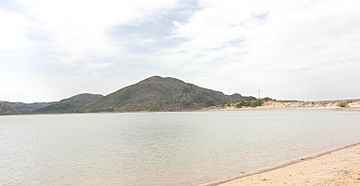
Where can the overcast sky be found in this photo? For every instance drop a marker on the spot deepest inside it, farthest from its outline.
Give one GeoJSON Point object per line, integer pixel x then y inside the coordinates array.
{"type": "Point", "coordinates": [290, 49]}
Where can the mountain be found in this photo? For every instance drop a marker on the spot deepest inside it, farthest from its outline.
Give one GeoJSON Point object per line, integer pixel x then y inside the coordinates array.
{"type": "Point", "coordinates": [25, 108]}
{"type": "Point", "coordinates": [161, 94]}
{"type": "Point", "coordinates": [6, 109]}
{"type": "Point", "coordinates": [152, 94]}
{"type": "Point", "coordinates": [69, 105]}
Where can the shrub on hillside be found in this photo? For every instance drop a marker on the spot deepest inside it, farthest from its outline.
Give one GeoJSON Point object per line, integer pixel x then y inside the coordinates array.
{"type": "Point", "coordinates": [343, 103]}
{"type": "Point", "coordinates": [252, 103]}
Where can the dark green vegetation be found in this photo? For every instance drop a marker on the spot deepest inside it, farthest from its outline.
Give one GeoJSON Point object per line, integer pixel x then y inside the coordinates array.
{"type": "Point", "coordinates": [253, 103]}
{"type": "Point", "coordinates": [248, 103]}
{"type": "Point", "coordinates": [153, 94]}
{"type": "Point", "coordinates": [343, 103]}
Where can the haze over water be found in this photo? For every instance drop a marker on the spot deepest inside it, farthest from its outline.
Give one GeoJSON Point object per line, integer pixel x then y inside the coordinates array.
{"type": "Point", "coordinates": [161, 148]}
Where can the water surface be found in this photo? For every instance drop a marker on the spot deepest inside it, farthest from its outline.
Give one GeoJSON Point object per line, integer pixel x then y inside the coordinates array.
{"type": "Point", "coordinates": [161, 148]}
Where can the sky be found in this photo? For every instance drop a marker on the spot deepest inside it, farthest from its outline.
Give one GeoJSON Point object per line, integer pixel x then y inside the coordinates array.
{"type": "Point", "coordinates": [288, 49]}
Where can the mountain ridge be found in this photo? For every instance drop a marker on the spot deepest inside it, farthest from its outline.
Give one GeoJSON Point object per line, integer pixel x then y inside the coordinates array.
{"type": "Point", "coordinates": [158, 93]}
{"type": "Point", "coordinates": [155, 93]}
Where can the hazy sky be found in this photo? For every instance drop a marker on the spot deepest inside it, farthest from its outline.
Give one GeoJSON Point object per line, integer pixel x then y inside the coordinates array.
{"type": "Point", "coordinates": [290, 49]}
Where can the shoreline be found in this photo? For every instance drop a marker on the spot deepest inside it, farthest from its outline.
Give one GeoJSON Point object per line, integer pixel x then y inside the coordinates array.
{"type": "Point", "coordinates": [269, 105]}
{"type": "Point", "coordinates": [336, 105]}
{"type": "Point", "coordinates": [275, 108]}
{"type": "Point", "coordinates": [236, 180]}
{"type": "Point", "coordinates": [200, 110]}
{"type": "Point", "coordinates": [351, 105]}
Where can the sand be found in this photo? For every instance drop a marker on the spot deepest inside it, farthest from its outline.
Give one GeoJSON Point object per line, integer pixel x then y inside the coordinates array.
{"type": "Point", "coordinates": [336, 167]}
{"type": "Point", "coordinates": [354, 105]}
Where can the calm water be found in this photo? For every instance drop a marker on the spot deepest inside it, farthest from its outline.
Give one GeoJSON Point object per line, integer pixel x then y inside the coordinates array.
{"type": "Point", "coordinates": [161, 148]}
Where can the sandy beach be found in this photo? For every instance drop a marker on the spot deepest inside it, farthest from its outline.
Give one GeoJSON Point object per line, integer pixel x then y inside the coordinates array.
{"type": "Point", "coordinates": [353, 105]}
{"type": "Point", "coordinates": [335, 167]}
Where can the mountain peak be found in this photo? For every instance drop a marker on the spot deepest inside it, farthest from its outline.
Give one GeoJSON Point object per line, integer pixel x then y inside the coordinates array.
{"type": "Point", "coordinates": [158, 93]}
{"type": "Point", "coordinates": [160, 79]}
{"type": "Point", "coordinates": [156, 77]}
{"type": "Point", "coordinates": [155, 93]}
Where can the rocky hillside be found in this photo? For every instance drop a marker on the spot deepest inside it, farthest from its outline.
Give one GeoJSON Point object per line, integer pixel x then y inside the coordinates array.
{"type": "Point", "coordinates": [152, 94]}
{"type": "Point", "coordinates": [161, 94]}
{"type": "Point", "coordinates": [6, 109]}
{"type": "Point", "coordinates": [26, 108]}
{"type": "Point", "coordinates": [69, 105]}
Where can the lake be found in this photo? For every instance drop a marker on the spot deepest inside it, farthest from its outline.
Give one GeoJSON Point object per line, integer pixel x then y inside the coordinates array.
{"type": "Point", "coordinates": [183, 148]}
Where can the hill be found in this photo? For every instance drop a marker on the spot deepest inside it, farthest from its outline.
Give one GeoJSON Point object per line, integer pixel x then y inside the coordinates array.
{"type": "Point", "coordinates": [6, 109]}
{"type": "Point", "coordinates": [26, 108]}
{"type": "Point", "coordinates": [69, 105]}
{"type": "Point", "coordinates": [152, 94]}
{"type": "Point", "coordinates": [161, 94]}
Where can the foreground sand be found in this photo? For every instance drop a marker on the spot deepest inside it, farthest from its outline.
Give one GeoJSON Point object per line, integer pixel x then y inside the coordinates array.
{"type": "Point", "coordinates": [338, 167]}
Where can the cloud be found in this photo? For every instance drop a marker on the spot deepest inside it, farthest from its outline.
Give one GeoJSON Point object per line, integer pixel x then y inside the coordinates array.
{"type": "Point", "coordinates": [13, 31]}
{"type": "Point", "coordinates": [78, 30]}
{"type": "Point", "coordinates": [66, 38]}
{"type": "Point", "coordinates": [270, 45]}
{"type": "Point", "coordinates": [289, 49]}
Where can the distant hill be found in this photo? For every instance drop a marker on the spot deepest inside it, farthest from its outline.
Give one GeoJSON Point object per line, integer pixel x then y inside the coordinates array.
{"type": "Point", "coordinates": [72, 104]}
{"type": "Point", "coordinates": [161, 94]}
{"type": "Point", "coordinates": [6, 109]}
{"type": "Point", "coordinates": [152, 94]}
{"type": "Point", "coordinates": [69, 105]}
{"type": "Point", "coordinates": [26, 108]}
